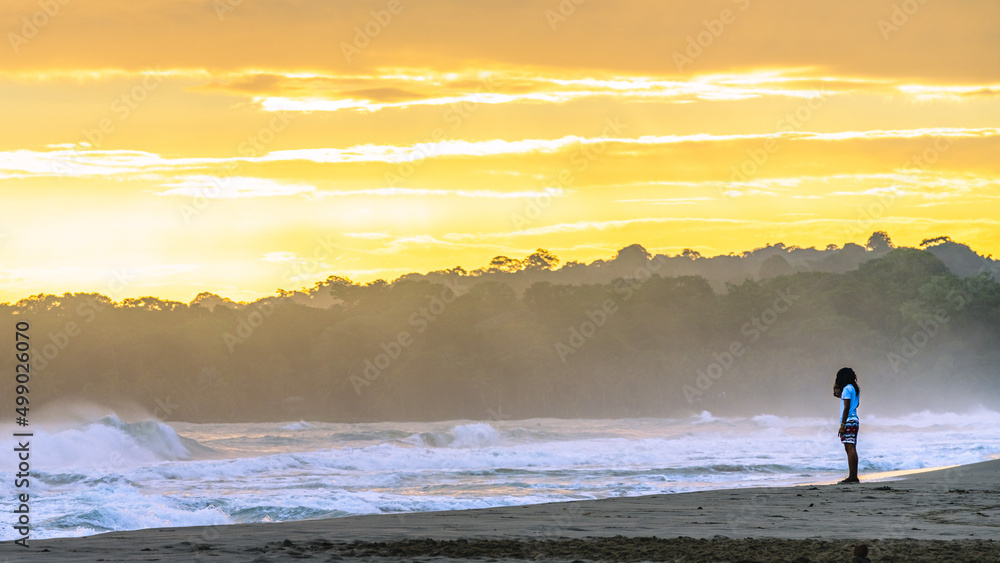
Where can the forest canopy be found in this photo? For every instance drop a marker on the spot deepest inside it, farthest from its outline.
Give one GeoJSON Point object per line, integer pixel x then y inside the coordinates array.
{"type": "Point", "coordinates": [636, 335]}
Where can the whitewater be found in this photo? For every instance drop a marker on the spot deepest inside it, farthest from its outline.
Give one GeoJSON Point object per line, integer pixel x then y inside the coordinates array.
{"type": "Point", "coordinates": [106, 474]}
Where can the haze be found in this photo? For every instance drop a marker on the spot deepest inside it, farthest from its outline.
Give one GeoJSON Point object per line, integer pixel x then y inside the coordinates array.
{"type": "Point", "coordinates": [637, 335]}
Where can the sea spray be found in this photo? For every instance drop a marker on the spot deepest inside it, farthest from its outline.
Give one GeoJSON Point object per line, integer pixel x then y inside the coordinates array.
{"type": "Point", "coordinates": [187, 474]}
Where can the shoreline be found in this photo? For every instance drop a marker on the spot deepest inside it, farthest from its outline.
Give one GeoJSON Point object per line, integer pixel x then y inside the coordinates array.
{"type": "Point", "coordinates": [949, 504]}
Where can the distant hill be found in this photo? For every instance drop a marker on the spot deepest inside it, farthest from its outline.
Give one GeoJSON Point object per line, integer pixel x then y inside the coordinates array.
{"type": "Point", "coordinates": [720, 271]}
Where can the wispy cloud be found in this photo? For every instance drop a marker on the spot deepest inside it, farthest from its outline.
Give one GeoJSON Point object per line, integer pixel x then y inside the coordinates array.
{"type": "Point", "coordinates": [233, 188]}
{"type": "Point", "coordinates": [90, 162]}
{"type": "Point", "coordinates": [280, 257]}
{"type": "Point", "coordinates": [666, 201]}
{"type": "Point", "coordinates": [368, 236]}
{"type": "Point", "coordinates": [276, 91]}
{"type": "Point", "coordinates": [418, 192]}
{"type": "Point", "coordinates": [923, 92]}
{"type": "Point", "coordinates": [505, 241]}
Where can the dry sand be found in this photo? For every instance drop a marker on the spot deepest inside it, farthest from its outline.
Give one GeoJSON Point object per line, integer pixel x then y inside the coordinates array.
{"type": "Point", "coordinates": [950, 515]}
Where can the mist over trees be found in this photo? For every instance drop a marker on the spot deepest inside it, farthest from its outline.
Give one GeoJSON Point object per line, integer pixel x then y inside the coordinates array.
{"type": "Point", "coordinates": [763, 331]}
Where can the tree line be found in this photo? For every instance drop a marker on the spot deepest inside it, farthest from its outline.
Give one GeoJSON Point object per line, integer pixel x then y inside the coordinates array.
{"type": "Point", "coordinates": [515, 340]}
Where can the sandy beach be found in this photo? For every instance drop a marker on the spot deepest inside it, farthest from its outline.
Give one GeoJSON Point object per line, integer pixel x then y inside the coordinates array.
{"type": "Point", "coordinates": [945, 515]}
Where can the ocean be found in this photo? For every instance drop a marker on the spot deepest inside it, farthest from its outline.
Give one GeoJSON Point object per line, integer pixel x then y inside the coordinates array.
{"type": "Point", "coordinates": [106, 474]}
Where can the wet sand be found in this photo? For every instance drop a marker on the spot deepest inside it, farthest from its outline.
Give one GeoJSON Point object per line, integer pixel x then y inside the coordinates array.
{"type": "Point", "coordinates": [950, 515]}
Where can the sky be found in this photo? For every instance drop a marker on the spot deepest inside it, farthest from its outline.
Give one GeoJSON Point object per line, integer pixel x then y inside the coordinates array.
{"type": "Point", "coordinates": [170, 147]}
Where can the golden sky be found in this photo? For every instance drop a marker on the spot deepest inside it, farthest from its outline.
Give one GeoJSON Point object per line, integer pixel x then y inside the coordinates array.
{"type": "Point", "coordinates": [170, 147]}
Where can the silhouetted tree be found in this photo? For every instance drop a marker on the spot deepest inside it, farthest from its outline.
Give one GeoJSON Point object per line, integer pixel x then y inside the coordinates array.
{"type": "Point", "coordinates": [880, 242]}
{"type": "Point", "coordinates": [541, 260]}
{"type": "Point", "coordinates": [931, 241]}
{"type": "Point", "coordinates": [504, 264]}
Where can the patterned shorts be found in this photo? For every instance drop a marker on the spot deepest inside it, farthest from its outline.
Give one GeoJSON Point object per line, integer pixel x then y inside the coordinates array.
{"type": "Point", "coordinates": [850, 433]}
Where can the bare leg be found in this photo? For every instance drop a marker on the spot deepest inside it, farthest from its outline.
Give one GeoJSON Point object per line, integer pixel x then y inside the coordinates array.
{"type": "Point", "coordinates": [852, 460]}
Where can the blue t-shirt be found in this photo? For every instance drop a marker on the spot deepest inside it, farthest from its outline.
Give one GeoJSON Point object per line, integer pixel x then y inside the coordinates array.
{"type": "Point", "coordinates": [849, 392]}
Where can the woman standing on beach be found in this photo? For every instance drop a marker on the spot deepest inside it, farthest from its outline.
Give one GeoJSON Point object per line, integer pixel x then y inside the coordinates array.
{"type": "Point", "coordinates": [847, 389]}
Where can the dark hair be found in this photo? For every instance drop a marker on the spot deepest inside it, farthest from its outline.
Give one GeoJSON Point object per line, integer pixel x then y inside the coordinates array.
{"type": "Point", "coordinates": [847, 376]}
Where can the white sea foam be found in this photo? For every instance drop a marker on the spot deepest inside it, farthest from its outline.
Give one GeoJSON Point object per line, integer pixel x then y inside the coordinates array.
{"type": "Point", "coordinates": [107, 474]}
{"type": "Point", "coordinates": [106, 444]}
